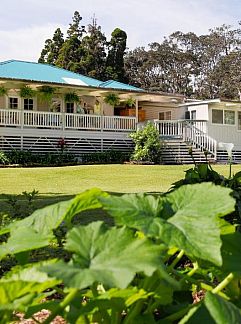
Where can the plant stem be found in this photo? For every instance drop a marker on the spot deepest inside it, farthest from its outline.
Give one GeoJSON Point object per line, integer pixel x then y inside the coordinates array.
{"type": "Point", "coordinates": [230, 167]}
{"type": "Point", "coordinates": [223, 284]}
{"type": "Point", "coordinates": [133, 313]}
{"type": "Point", "coordinates": [194, 269]}
{"type": "Point", "coordinates": [173, 317]}
{"type": "Point", "coordinates": [176, 260]}
{"type": "Point", "coordinates": [72, 294]}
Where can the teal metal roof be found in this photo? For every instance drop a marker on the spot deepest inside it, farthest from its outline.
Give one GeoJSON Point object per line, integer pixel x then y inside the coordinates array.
{"type": "Point", "coordinates": [31, 71]}
{"type": "Point", "coordinates": [44, 73]}
{"type": "Point", "coordinates": [118, 85]}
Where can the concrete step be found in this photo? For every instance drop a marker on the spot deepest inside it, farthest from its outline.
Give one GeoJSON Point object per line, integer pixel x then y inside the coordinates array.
{"type": "Point", "coordinates": [177, 152]}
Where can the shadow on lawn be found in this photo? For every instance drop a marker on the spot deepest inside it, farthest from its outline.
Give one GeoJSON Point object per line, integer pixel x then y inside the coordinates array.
{"type": "Point", "coordinates": [16, 207]}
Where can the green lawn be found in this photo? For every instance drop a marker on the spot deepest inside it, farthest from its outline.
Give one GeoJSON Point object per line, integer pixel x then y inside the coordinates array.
{"type": "Point", "coordinates": [115, 178]}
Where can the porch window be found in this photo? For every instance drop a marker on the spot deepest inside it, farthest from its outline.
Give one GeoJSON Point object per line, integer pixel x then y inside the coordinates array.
{"type": "Point", "coordinates": [69, 107]}
{"type": "Point", "coordinates": [13, 103]}
{"type": "Point", "coordinates": [28, 104]}
{"type": "Point", "coordinates": [165, 115]}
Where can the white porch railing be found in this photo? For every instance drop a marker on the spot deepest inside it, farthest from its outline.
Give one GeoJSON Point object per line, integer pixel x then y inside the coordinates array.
{"type": "Point", "coordinates": [191, 131]}
{"type": "Point", "coordinates": [40, 119]}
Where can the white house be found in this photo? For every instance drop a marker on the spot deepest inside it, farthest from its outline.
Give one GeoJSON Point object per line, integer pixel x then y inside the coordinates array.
{"type": "Point", "coordinates": [30, 122]}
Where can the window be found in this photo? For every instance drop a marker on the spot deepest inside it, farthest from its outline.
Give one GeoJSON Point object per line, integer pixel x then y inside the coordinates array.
{"type": "Point", "coordinates": [165, 115]}
{"type": "Point", "coordinates": [69, 107]}
{"type": "Point", "coordinates": [226, 117]}
{"type": "Point", "coordinates": [28, 104]}
{"type": "Point", "coordinates": [193, 114]}
{"type": "Point", "coordinates": [13, 103]}
{"type": "Point", "coordinates": [217, 116]}
{"type": "Point", "coordinates": [239, 120]}
{"type": "Point", "coordinates": [229, 117]}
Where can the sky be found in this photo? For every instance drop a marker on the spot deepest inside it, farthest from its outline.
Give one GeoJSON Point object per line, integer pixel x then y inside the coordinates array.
{"type": "Point", "coordinates": [26, 24]}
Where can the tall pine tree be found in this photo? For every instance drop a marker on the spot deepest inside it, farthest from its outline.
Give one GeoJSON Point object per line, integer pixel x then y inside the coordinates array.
{"type": "Point", "coordinates": [50, 52]}
{"type": "Point", "coordinates": [115, 59]}
{"type": "Point", "coordinates": [94, 44]}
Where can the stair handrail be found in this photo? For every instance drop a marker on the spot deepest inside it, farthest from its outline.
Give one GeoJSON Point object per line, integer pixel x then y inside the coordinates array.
{"type": "Point", "coordinates": [200, 139]}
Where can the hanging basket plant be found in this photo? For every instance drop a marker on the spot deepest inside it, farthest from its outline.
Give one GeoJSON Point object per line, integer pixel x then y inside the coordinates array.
{"type": "Point", "coordinates": [130, 102]}
{"type": "Point", "coordinates": [46, 93]}
{"type": "Point", "coordinates": [71, 97]}
{"type": "Point", "coordinates": [3, 91]}
{"type": "Point", "coordinates": [26, 92]}
{"type": "Point", "coordinates": [112, 99]}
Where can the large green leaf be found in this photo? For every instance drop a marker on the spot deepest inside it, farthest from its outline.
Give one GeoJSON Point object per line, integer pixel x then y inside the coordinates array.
{"type": "Point", "coordinates": [21, 286]}
{"type": "Point", "coordinates": [24, 239]}
{"type": "Point", "coordinates": [193, 224]}
{"type": "Point", "coordinates": [231, 253]}
{"type": "Point", "coordinates": [198, 314]}
{"type": "Point", "coordinates": [133, 210]}
{"type": "Point", "coordinates": [36, 231]}
{"type": "Point", "coordinates": [110, 256]}
{"type": "Point", "coordinates": [48, 218]}
{"type": "Point", "coordinates": [221, 310]}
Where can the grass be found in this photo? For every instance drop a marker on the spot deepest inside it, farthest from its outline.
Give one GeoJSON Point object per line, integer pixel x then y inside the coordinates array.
{"type": "Point", "coordinates": [115, 178]}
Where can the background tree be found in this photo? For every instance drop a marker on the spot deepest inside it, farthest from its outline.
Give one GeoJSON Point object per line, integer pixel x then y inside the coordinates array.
{"type": "Point", "coordinates": [52, 47]}
{"type": "Point", "coordinates": [94, 45]}
{"type": "Point", "coordinates": [115, 59]}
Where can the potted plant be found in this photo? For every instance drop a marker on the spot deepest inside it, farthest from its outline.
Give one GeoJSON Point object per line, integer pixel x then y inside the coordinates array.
{"type": "Point", "coordinates": [3, 91]}
{"type": "Point", "coordinates": [27, 92]}
{"type": "Point", "coordinates": [112, 99]}
{"type": "Point", "coordinates": [71, 97]}
{"type": "Point", "coordinates": [130, 102]}
{"type": "Point", "coordinates": [46, 93]}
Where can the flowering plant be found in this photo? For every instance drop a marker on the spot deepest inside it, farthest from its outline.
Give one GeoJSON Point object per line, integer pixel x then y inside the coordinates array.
{"type": "Point", "coordinates": [61, 144]}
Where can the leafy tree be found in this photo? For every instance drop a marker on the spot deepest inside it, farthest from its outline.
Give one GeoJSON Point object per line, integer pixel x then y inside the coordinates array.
{"type": "Point", "coordinates": [94, 44]}
{"type": "Point", "coordinates": [115, 59]}
{"type": "Point", "coordinates": [71, 52]}
{"type": "Point", "coordinates": [50, 52]}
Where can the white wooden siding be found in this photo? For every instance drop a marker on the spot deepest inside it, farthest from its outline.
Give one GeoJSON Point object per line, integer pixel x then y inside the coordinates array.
{"type": "Point", "coordinates": [152, 110]}
{"type": "Point", "coordinates": [201, 111]}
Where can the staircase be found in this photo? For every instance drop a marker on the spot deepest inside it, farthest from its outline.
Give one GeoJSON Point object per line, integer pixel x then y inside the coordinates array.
{"type": "Point", "coordinates": [177, 152]}
{"type": "Point", "coordinates": [181, 135]}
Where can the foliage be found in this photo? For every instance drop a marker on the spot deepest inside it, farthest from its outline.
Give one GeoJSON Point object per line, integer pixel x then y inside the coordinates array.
{"type": "Point", "coordinates": [115, 59]}
{"type": "Point", "coordinates": [71, 97]}
{"type": "Point", "coordinates": [4, 158]}
{"type": "Point", "coordinates": [27, 92]}
{"type": "Point", "coordinates": [50, 52]}
{"type": "Point", "coordinates": [130, 102]}
{"type": "Point", "coordinates": [27, 158]}
{"type": "Point", "coordinates": [3, 91]}
{"type": "Point", "coordinates": [46, 93]}
{"type": "Point", "coordinates": [112, 99]}
{"type": "Point", "coordinates": [111, 156]}
{"type": "Point", "coordinates": [87, 51]}
{"type": "Point", "coordinates": [205, 66]}
{"type": "Point", "coordinates": [130, 272]}
{"type": "Point", "coordinates": [147, 144]}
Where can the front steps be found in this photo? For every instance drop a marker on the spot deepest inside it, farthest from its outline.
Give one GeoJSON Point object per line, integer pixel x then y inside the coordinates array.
{"type": "Point", "coordinates": [222, 157]}
{"type": "Point", "coordinates": [177, 152]}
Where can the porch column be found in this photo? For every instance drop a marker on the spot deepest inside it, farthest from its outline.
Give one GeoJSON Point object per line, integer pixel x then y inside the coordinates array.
{"type": "Point", "coordinates": [137, 119]}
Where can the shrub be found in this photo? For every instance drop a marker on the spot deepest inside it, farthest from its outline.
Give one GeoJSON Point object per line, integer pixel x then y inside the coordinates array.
{"type": "Point", "coordinates": [111, 156]}
{"type": "Point", "coordinates": [3, 158]}
{"type": "Point", "coordinates": [27, 158]}
{"type": "Point", "coordinates": [147, 144]}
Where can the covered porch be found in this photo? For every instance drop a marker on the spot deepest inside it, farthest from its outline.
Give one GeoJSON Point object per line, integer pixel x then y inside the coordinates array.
{"type": "Point", "coordinates": [65, 121]}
